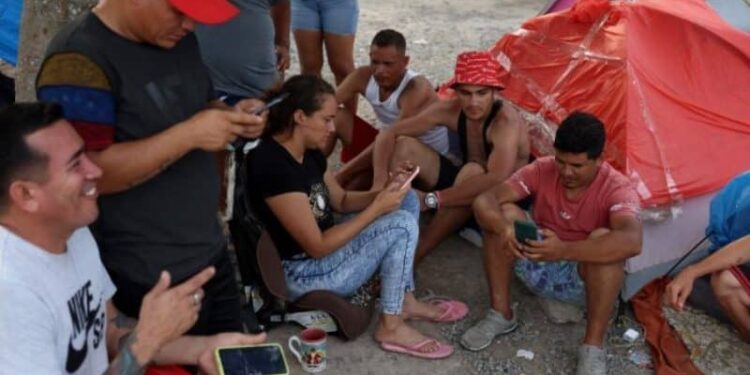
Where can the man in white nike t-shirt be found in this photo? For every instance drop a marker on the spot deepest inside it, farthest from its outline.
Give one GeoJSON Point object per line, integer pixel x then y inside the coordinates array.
{"type": "Point", "coordinates": [56, 316]}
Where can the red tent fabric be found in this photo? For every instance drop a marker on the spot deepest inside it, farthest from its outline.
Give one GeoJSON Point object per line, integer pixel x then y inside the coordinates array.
{"type": "Point", "coordinates": [670, 80]}
{"type": "Point", "coordinates": [670, 354]}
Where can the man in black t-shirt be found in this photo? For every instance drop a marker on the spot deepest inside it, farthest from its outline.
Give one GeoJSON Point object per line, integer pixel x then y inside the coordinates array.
{"type": "Point", "coordinates": [130, 78]}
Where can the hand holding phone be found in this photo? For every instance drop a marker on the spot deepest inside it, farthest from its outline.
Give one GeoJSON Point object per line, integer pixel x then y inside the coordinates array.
{"type": "Point", "coordinates": [406, 175]}
{"type": "Point", "coordinates": [270, 104]}
{"type": "Point", "coordinates": [248, 143]}
{"type": "Point", "coordinates": [526, 231]}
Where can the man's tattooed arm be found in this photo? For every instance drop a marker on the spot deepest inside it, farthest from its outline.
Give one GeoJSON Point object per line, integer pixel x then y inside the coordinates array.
{"type": "Point", "coordinates": [126, 363]}
{"type": "Point", "coordinates": [131, 354]}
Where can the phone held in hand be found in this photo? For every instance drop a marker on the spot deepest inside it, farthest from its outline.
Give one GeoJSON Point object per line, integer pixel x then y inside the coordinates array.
{"type": "Point", "coordinates": [526, 231]}
{"type": "Point", "coordinates": [270, 104]}
{"type": "Point", "coordinates": [247, 144]}
{"type": "Point", "coordinates": [408, 176]}
{"type": "Point", "coordinates": [265, 359]}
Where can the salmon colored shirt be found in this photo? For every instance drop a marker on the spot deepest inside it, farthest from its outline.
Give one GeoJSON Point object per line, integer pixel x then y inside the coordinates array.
{"type": "Point", "coordinates": [573, 219]}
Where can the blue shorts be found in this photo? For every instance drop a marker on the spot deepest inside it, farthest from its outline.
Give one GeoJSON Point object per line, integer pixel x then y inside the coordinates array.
{"type": "Point", "coordinates": [329, 16]}
{"type": "Point", "coordinates": [555, 280]}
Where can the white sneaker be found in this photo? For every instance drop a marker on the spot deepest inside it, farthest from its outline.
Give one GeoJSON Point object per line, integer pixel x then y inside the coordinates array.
{"type": "Point", "coordinates": [484, 331]}
{"type": "Point", "coordinates": [592, 360]}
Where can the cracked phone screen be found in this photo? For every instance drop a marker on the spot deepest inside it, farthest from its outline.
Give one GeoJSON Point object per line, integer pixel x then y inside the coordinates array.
{"type": "Point", "coordinates": [253, 360]}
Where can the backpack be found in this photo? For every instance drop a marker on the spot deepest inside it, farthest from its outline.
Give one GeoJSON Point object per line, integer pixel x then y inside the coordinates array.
{"type": "Point", "coordinates": [246, 229]}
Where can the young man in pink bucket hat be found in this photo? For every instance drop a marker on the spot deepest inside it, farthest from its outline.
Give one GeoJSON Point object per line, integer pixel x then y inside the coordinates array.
{"type": "Point", "coordinates": [493, 139]}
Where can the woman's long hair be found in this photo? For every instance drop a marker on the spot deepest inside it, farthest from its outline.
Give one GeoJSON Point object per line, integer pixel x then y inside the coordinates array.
{"type": "Point", "coordinates": [306, 93]}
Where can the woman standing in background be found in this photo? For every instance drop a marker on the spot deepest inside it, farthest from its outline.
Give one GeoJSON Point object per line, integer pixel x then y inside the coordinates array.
{"type": "Point", "coordinates": [329, 23]}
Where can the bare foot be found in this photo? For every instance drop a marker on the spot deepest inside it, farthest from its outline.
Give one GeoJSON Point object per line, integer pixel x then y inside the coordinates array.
{"type": "Point", "coordinates": [404, 335]}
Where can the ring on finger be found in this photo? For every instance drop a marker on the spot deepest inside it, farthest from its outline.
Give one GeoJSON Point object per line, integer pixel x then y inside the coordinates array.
{"type": "Point", "coordinates": [196, 298]}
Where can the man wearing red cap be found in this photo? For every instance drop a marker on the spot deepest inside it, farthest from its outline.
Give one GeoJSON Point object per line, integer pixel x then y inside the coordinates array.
{"type": "Point", "coordinates": [493, 139]}
{"type": "Point", "coordinates": [130, 79]}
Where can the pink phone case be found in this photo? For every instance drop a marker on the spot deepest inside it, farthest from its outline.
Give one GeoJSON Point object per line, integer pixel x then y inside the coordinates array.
{"type": "Point", "coordinates": [410, 178]}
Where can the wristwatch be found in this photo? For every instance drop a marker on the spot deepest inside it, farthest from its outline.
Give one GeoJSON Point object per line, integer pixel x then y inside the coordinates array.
{"type": "Point", "coordinates": [432, 200]}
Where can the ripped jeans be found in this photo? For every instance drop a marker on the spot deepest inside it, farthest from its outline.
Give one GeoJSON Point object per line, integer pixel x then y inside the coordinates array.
{"type": "Point", "coordinates": [388, 244]}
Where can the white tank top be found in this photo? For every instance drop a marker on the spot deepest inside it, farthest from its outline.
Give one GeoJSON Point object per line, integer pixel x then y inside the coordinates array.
{"type": "Point", "coordinates": [387, 112]}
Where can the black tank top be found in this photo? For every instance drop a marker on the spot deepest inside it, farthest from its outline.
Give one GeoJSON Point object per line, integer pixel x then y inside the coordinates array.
{"type": "Point", "coordinates": [496, 106]}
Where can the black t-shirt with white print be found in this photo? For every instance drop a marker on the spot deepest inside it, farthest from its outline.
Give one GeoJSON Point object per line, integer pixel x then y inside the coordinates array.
{"type": "Point", "coordinates": [273, 171]}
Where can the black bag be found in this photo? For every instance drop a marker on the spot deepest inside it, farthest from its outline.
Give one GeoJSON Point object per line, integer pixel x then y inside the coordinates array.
{"type": "Point", "coordinates": [245, 229]}
{"type": "Point", "coordinates": [244, 226]}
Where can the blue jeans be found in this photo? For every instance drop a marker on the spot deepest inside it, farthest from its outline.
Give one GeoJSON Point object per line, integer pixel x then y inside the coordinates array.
{"type": "Point", "coordinates": [388, 244]}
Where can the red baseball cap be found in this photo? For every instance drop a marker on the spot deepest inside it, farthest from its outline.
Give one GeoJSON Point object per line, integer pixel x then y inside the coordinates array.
{"type": "Point", "coordinates": [206, 11]}
{"type": "Point", "coordinates": [479, 68]}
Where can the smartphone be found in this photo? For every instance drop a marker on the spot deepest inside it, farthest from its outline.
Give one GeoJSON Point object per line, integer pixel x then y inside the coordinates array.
{"type": "Point", "coordinates": [270, 104]}
{"type": "Point", "coordinates": [265, 359]}
{"type": "Point", "coordinates": [409, 176]}
{"type": "Point", "coordinates": [526, 231]}
{"type": "Point", "coordinates": [246, 143]}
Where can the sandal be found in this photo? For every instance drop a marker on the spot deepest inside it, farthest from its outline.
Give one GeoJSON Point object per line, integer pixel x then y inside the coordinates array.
{"type": "Point", "coordinates": [453, 310]}
{"type": "Point", "coordinates": [415, 350]}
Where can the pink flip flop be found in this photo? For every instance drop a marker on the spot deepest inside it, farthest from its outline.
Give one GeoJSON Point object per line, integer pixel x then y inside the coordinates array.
{"type": "Point", "coordinates": [443, 351]}
{"type": "Point", "coordinates": [453, 310]}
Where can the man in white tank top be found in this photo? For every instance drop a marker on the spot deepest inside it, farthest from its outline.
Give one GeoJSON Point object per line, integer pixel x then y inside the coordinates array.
{"type": "Point", "coordinates": [394, 92]}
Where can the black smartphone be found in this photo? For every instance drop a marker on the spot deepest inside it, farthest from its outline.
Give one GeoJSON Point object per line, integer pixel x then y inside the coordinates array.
{"type": "Point", "coordinates": [525, 231]}
{"type": "Point", "coordinates": [266, 359]}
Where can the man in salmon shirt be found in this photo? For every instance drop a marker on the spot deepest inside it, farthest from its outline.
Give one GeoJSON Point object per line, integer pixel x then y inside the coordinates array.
{"type": "Point", "coordinates": [587, 215]}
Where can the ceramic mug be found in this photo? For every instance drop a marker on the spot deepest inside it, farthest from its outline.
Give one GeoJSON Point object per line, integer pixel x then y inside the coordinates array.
{"type": "Point", "coordinates": [309, 347]}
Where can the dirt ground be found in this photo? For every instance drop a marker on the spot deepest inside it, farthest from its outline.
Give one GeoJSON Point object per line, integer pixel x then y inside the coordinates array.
{"type": "Point", "coordinates": [455, 269]}
{"type": "Point", "coordinates": [436, 31]}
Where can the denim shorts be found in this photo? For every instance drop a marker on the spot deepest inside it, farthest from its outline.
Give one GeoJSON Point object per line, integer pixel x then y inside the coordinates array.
{"type": "Point", "coordinates": [329, 16]}
{"type": "Point", "coordinates": [555, 280]}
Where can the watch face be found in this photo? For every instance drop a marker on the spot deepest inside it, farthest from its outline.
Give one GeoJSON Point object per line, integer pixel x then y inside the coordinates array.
{"type": "Point", "coordinates": [430, 200]}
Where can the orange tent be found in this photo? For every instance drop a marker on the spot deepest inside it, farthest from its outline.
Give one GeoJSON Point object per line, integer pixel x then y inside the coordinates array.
{"type": "Point", "coordinates": [670, 80]}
